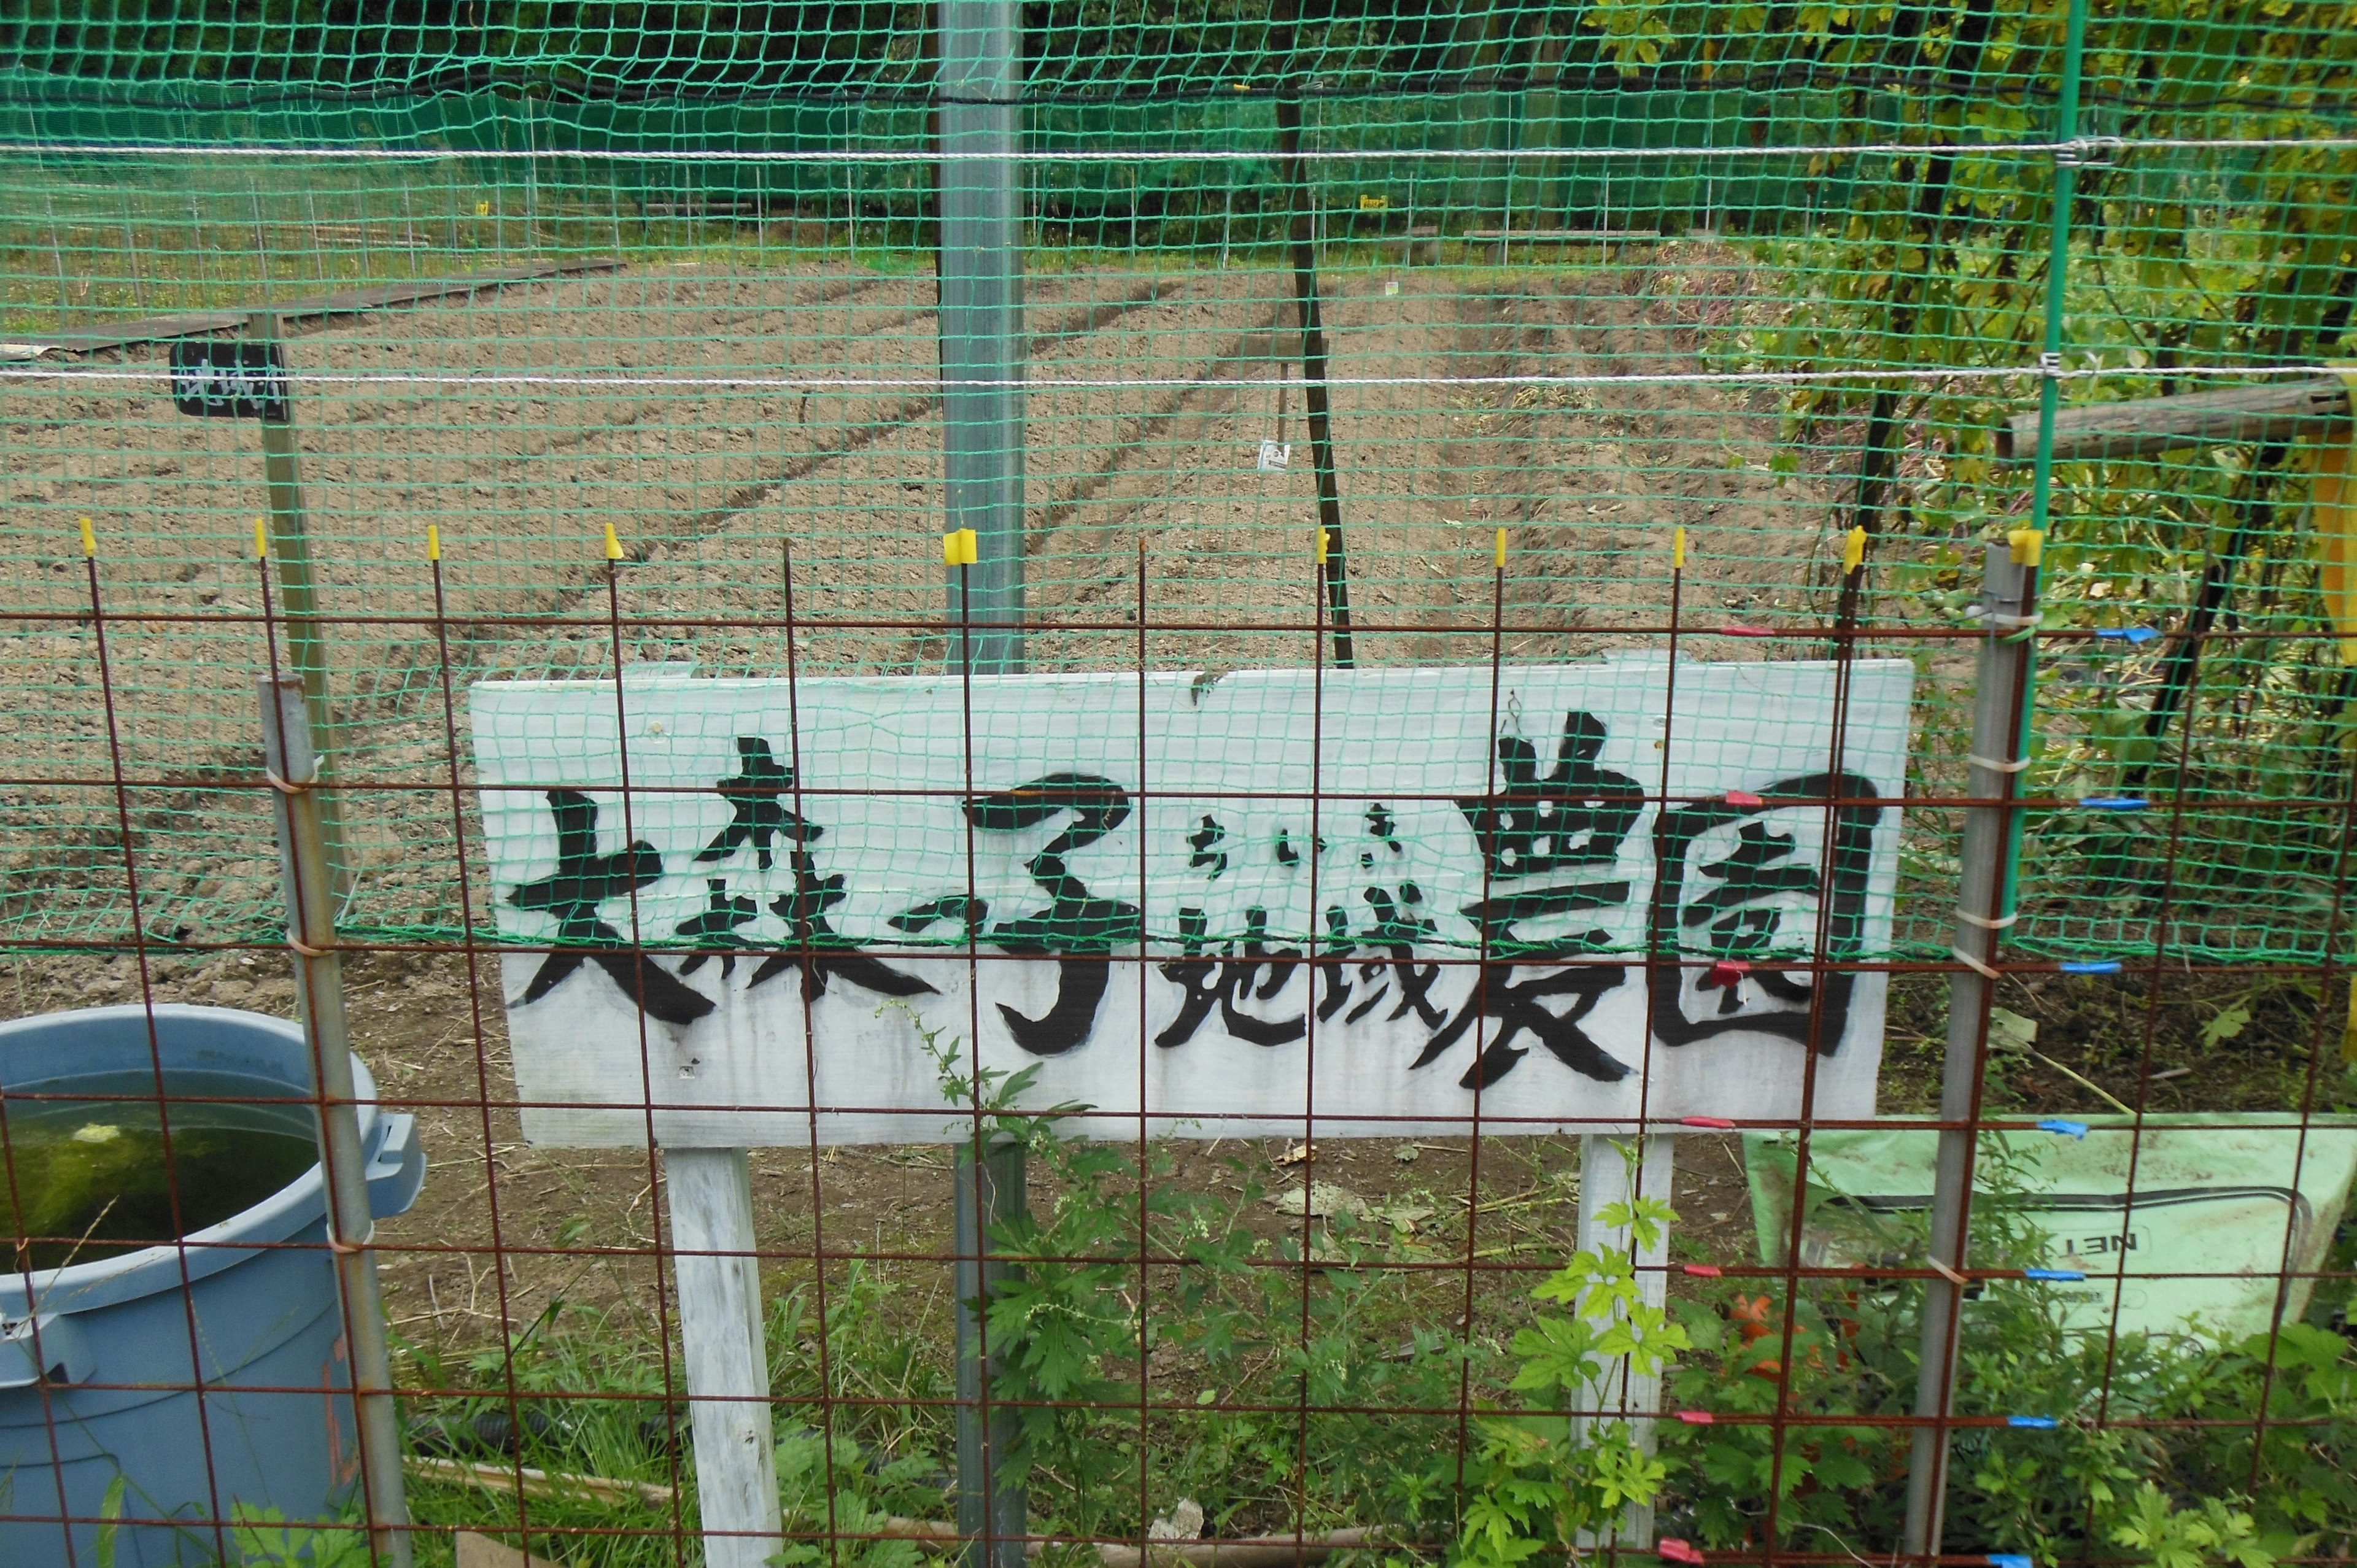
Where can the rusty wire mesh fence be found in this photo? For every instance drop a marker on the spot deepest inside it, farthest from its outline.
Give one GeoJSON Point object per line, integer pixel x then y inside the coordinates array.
{"type": "Point", "coordinates": [1578, 789]}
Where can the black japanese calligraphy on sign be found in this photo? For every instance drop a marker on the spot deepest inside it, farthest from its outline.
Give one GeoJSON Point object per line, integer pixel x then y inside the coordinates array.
{"type": "Point", "coordinates": [1516, 1005]}
{"type": "Point", "coordinates": [1397, 929]}
{"type": "Point", "coordinates": [756, 797]}
{"type": "Point", "coordinates": [1251, 970]}
{"type": "Point", "coordinates": [583, 880]}
{"type": "Point", "coordinates": [1576, 817]}
{"type": "Point", "coordinates": [760, 816]}
{"type": "Point", "coordinates": [1077, 927]}
{"type": "Point", "coordinates": [714, 931]}
{"type": "Point", "coordinates": [1729, 905]}
{"type": "Point", "coordinates": [1728, 877]}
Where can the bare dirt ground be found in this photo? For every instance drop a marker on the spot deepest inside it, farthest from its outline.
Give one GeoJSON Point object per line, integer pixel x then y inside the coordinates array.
{"type": "Point", "coordinates": [703, 481]}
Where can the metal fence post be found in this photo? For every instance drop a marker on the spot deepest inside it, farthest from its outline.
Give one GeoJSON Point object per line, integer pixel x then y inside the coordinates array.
{"type": "Point", "coordinates": [306, 640]}
{"type": "Point", "coordinates": [1983, 905]}
{"type": "Point", "coordinates": [991, 1194]}
{"type": "Point", "coordinates": [294, 763]}
{"type": "Point", "coordinates": [983, 352]}
{"type": "Point", "coordinates": [1985, 891]}
{"type": "Point", "coordinates": [982, 339]}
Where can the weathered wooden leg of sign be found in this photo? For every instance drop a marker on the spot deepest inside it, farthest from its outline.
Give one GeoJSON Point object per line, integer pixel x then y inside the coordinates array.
{"type": "Point", "coordinates": [982, 339]}
{"type": "Point", "coordinates": [1984, 897]}
{"type": "Point", "coordinates": [288, 753]}
{"type": "Point", "coordinates": [307, 639]}
{"type": "Point", "coordinates": [992, 1196]}
{"type": "Point", "coordinates": [1607, 1176]}
{"type": "Point", "coordinates": [710, 1198]}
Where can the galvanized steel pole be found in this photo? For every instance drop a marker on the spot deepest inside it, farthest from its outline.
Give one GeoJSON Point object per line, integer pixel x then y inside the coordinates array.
{"type": "Point", "coordinates": [1985, 891]}
{"type": "Point", "coordinates": [1984, 908]}
{"type": "Point", "coordinates": [982, 348]}
{"type": "Point", "coordinates": [293, 765]}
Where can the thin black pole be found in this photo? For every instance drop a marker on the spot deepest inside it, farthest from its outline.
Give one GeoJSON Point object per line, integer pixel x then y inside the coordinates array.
{"type": "Point", "coordinates": [1313, 335]}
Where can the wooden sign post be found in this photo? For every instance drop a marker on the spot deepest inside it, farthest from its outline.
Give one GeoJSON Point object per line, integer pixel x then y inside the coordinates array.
{"type": "Point", "coordinates": [247, 379]}
{"type": "Point", "coordinates": [1613, 1172]}
{"type": "Point", "coordinates": [710, 1201]}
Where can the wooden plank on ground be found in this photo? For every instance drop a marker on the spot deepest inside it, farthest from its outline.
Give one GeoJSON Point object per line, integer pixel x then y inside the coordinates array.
{"type": "Point", "coordinates": [124, 334]}
{"type": "Point", "coordinates": [346, 301]}
{"type": "Point", "coordinates": [536, 1482]}
{"type": "Point", "coordinates": [481, 1552]}
{"type": "Point", "coordinates": [1561, 236]}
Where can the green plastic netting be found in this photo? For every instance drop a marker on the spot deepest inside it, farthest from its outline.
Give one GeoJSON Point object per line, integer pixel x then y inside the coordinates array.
{"type": "Point", "coordinates": [1587, 275]}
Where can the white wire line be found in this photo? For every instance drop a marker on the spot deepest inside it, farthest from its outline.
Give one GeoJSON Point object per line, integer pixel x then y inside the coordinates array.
{"type": "Point", "coordinates": [935, 384]}
{"type": "Point", "coordinates": [2080, 149]}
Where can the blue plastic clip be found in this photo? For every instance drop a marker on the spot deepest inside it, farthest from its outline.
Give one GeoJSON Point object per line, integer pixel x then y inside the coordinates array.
{"type": "Point", "coordinates": [2053, 1275]}
{"type": "Point", "coordinates": [2009, 1560]}
{"type": "Point", "coordinates": [2067, 1129]}
{"type": "Point", "coordinates": [2091, 966]}
{"type": "Point", "coordinates": [2135, 636]}
{"type": "Point", "coordinates": [2113, 803]}
{"type": "Point", "coordinates": [2033, 1423]}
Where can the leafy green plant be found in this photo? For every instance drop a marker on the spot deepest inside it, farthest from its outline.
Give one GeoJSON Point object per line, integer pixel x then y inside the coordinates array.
{"type": "Point", "coordinates": [1541, 1480]}
{"type": "Point", "coordinates": [262, 1537]}
{"type": "Point", "coordinates": [2165, 1473]}
{"type": "Point", "coordinates": [840, 1508]}
{"type": "Point", "coordinates": [2201, 1536]}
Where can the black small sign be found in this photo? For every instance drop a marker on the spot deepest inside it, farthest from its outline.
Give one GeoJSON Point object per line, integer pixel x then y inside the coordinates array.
{"type": "Point", "coordinates": [234, 380]}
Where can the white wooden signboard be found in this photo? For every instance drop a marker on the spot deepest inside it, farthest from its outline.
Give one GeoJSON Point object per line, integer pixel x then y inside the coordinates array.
{"type": "Point", "coordinates": [845, 861]}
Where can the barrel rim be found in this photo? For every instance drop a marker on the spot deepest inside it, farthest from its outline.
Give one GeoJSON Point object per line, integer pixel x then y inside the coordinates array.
{"type": "Point", "coordinates": [108, 1281]}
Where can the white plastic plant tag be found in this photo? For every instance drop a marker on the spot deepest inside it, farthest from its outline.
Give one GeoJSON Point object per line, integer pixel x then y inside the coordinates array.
{"type": "Point", "coordinates": [1276, 456]}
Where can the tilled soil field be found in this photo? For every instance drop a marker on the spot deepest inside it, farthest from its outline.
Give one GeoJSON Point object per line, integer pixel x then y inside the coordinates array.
{"type": "Point", "coordinates": [650, 400]}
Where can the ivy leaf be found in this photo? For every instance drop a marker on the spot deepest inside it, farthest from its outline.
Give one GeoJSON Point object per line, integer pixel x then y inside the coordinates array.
{"type": "Point", "coordinates": [2229, 1023]}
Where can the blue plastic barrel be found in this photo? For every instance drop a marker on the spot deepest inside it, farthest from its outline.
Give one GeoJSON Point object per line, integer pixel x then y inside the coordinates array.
{"type": "Point", "coordinates": [114, 1396]}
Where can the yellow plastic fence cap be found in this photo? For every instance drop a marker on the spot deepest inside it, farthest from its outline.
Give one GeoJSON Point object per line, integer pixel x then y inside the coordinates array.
{"type": "Point", "coordinates": [959, 548]}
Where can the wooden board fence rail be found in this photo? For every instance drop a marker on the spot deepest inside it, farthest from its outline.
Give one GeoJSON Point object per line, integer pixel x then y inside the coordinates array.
{"type": "Point", "coordinates": [2273, 410]}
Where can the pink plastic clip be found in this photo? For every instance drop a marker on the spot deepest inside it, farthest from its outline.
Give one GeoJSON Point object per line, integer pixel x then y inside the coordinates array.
{"type": "Point", "coordinates": [1745, 631]}
{"type": "Point", "coordinates": [1697, 1417]}
{"type": "Point", "coordinates": [1704, 1270]}
{"type": "Point", "coordinates": [1720, 1122]}
{"type": "Point", "coordinates": [1743, 797]}
{"type": "Point", "coordinates": [1728, 970]}
{"type": "Point", "coordinates": [1670, 1549]}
